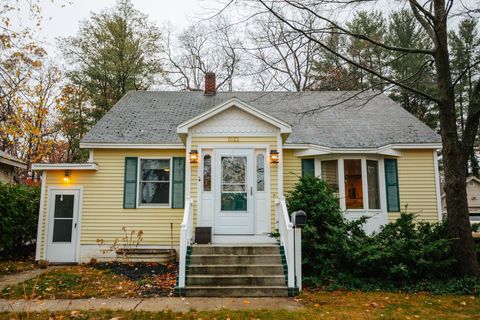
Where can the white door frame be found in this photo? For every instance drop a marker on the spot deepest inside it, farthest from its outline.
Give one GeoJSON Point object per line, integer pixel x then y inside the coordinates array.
{"type": "Point", "coordinates": [248, 153]}
{"type": "Point", "coordinates": [49, 227]}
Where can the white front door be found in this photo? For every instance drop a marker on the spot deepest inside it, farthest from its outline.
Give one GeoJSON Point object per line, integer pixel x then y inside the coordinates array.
{"type": "Point", "coordinates": [63, 225]}
{"type": "Point", "coordinates": [234, 192]}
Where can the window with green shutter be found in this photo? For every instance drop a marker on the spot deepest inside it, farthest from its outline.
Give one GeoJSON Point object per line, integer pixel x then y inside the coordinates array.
{"type": "Point", "coordinates": [308, 168]}
{"type": "Point", "coordinates": [178, 183]}
{"type": "Point", "coordinates": [391, 182]}
{"type": "Point", "coordinates": [130, 183]}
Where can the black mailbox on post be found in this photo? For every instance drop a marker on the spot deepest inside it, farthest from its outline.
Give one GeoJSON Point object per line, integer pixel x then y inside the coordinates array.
{"type": "Point", "coordinates": [299, 218]}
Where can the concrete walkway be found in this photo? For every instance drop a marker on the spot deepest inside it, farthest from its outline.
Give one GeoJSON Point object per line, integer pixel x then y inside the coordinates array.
{"type": "Point", "coordinates": [150, 304]}
{"type": "Point", "coordinates": [15, 278]}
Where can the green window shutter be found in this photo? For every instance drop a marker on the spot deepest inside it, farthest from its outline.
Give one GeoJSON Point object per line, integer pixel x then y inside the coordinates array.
{"type": "Point", "coordinates": [130, 183]}
{"type": "Point", "coordinates": [391, 182]}
{"type": "Point", "coordinates": [178, 183]}
{"type": "Point", "coordinates": [308, 168]}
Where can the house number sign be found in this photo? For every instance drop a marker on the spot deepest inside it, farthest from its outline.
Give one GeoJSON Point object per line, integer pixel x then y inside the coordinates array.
{"type": "Point", "coordinates": [233, 139]}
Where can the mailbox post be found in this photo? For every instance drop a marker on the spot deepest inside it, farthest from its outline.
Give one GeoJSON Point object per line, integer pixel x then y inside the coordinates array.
{"type": "Point", "coordinates": [299, 219]}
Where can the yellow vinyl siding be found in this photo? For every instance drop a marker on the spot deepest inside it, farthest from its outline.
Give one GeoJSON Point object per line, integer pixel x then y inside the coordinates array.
{"type": "Point", "coordinates": [292, 170]}
{"type": "Point", "coordinates": [103, 216]}
{"type": "Point", "coordinates": [248, 142]}
{"type": "Point", "coordinates": [416, 180]}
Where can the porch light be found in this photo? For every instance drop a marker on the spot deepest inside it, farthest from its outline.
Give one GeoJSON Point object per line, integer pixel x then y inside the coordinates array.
{"type": "Point", "coordinates": [274, 156]}
{"type": "Point", "coordinates": [67, 176]}
{"type": "Point", "coordinates": [193, 156]}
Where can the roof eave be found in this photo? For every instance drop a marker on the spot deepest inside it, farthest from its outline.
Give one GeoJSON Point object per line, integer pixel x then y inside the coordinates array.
{"type": "Point", "coordinates": [304, 150]}
{"type": "Point", "coordinates": [13, 163]}
{"type": "Point", "coordinates": [101, 145]}
{"type": "Point", "coordinates": [64, 166]}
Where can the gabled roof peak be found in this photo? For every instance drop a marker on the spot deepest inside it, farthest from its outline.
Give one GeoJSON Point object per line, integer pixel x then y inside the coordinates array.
{"type": "Point", "coordinates": [284, 127]}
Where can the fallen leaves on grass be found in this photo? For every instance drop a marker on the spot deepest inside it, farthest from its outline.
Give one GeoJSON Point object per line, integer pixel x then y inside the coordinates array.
{"type": "Point", "coordinates": [134, 280]}
{"type": "Point", "coordinates": [10, 267]}
{"type": "Point", "coordinates": [72, 283]}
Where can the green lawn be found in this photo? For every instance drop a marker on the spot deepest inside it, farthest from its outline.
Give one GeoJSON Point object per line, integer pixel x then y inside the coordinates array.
{"type": "Point", "coordinates": [318, 305]}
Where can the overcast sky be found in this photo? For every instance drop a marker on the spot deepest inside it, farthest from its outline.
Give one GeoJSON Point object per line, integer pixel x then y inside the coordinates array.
{"type": "Point", "coordinates": [61, 18]}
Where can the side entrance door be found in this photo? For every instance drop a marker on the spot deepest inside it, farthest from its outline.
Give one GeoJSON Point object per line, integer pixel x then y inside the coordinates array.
{"type": "Point", "coordinates": [234, 192]}
{"type": "Point", "coordinates": [63, 225]}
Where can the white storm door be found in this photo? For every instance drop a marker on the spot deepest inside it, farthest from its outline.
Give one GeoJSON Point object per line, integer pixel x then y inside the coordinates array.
{"type": "Point", "coordinates": [234, 192]}
{"type": "Point", "coordinates": [63, 225]}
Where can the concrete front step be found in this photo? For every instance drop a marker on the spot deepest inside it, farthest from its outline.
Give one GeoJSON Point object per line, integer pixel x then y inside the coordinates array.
{"type": "Point", "coordinates": [227, 269]}
{"type": "Point", "coordinates": [236, 291]}
{"type": "Point", "coordinates": [236, 259]}
{"type": "Point", "coordinates": [236, 280]}
{"type": "Point", "coordinates": [235, 271]}
{"type": "Point", "coordinates": [235, 250]}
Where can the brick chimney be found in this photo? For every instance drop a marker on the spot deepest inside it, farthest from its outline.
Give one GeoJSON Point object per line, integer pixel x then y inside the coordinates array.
{"type": "Point", "coordinates": [210, 85]}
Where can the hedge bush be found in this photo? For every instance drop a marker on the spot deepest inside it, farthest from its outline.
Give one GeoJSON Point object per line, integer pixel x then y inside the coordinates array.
{"type": "Point", "coordinates": [19, 206]}
{"type": "Point", "coordinates": [335, 250]}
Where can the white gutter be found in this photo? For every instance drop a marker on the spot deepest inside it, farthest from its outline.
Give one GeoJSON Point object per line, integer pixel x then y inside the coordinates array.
{"type": "Point", "coordinates": [87, 145]}
{"type": "Point", "coordinates": [64, 166]}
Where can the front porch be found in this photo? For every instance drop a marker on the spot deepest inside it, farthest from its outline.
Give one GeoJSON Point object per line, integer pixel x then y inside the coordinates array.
{"type": "Point", "coordinates": [234, 188]}
{"type": "Point", "coordinates": [272, 268]}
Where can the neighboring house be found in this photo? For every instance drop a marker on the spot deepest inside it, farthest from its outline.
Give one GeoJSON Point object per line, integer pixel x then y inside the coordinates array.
{"type": "Point", "coordinates": [9, 167]}
{"type": "Point", "coordinates": [226, 160]}
{"type": "Point", "coordinates": [473, 198]}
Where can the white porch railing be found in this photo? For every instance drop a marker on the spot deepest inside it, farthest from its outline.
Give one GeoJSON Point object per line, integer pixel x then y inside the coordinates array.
{"type": "Point", "coordinates": [186, 238]}
{"type": "Point", "coordinates": [287, 235]}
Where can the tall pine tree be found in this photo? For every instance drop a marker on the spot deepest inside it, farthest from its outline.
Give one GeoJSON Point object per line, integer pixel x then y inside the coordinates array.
{"type": "Point", "coordinates": [113, 52]}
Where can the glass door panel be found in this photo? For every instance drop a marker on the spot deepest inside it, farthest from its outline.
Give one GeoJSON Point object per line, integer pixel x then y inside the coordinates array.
{"type": "Point", "coordinates": [234, 183]}
{"type": "Point", "coordinates": [63, 218]}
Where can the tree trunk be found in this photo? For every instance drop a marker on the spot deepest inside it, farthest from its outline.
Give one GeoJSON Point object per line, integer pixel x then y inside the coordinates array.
{"type": "Point", "coordinates": [455, 159]}
{"type": "Point", "coordinates": [457, 207]}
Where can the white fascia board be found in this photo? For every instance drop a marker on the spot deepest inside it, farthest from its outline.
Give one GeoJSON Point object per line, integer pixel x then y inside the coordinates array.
{"type": "Point", "coordinates": [388, 150]}
{"type": "Point", "coordinates": [13, 163]}
{"type": "Point", "coordinates": [311, 152]}
{"type": "Point", "coordinates": [415, 146]}
{"type": "Point", "coordinates": [87, 145]}
{"type": "Point", "coordinates": [322, 152]}
{"type": "Point", "coordinates": [473, 178]}
{"type": "Point", "coordinates": [283, 126]}
{"type": "Point", "coordinates": [64, 166]}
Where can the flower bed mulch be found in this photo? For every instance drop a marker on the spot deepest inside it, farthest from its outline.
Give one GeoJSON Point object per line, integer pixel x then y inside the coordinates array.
{"type": "Point", "coordinates": [154, 279]}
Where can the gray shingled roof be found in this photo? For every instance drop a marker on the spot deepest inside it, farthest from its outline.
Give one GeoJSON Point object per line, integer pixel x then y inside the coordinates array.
{"type": "Point", "coordinates": [344, 119]}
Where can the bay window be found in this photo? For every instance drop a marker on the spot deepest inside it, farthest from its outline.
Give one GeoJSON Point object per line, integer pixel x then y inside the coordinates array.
{"type": "Point", "coordinates": [353, 183]}
{"type": "Point", "coordinates": [357, 184]}
{"type": "Point", "coordinates": [373, 185]}
{"type": "Point", "coordinates": [329, 173]}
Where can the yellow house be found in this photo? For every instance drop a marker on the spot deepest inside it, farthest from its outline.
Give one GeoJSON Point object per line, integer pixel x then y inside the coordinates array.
{"type": "Point", "coordinates": [220, 164]}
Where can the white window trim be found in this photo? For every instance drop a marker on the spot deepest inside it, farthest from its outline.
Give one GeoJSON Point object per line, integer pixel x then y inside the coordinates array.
{"type": "Point", "coordinates": [341, 181]}
{"type": "Point", "coordinates": [139, 170]}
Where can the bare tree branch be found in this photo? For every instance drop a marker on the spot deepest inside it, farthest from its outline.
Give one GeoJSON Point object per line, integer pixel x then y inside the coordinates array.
{"type": "Point", "coordinates": [308, 35]}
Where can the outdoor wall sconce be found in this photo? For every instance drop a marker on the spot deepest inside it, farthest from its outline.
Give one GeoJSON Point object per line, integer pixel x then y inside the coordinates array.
{"type": "Point", "coordinates": [67, 176]}
{"type": "Point", "coordinates": [274, 156]}
{"type": "Point", "coordinates": [193, 156]}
